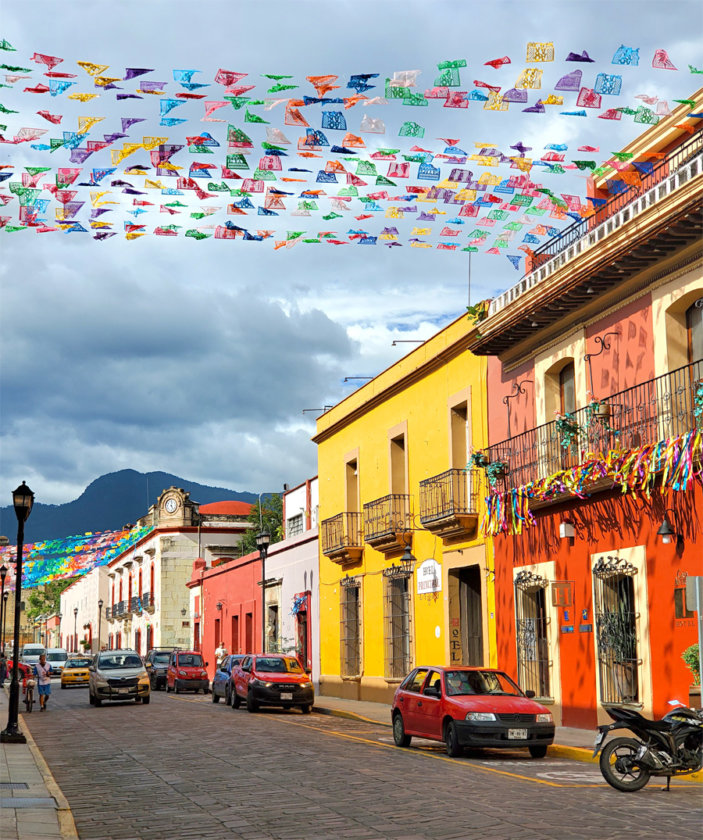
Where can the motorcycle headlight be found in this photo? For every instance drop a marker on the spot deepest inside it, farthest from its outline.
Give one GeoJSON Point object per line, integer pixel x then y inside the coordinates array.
{"type": "Point", "coordinates": [545, 717]}
{"type": "Point", "coordinates": [480, 716]}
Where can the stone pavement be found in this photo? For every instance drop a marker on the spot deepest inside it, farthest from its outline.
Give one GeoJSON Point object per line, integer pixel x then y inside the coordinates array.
{"type": "Point", "coordinates": [31, 803]}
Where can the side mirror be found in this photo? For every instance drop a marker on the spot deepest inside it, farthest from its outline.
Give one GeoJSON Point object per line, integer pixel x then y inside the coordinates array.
{"type": "Point", "coordinates": [529, 693]}
{"type": "Point", "coordinates": [308, 671]}
{"type": "Point", "coordinates": [91, 667]}
{"type": "Point", "coordinates": [206, 664]}
{"type": "Point", "coordinates": [431, 691]}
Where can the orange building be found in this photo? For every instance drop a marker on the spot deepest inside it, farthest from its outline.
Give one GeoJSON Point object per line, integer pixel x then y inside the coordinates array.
{"type": "Point", "coordinates": [595, 417]}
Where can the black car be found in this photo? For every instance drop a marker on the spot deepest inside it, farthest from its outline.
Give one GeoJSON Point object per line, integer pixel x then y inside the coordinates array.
{"type": "Point", "coordinates": [222, 681]}
{"type": "Point", "coordinates": [156, 665]}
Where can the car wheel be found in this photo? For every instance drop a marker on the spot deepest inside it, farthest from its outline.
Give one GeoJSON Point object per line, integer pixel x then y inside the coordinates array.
{"type": "Point", "coordinates": [145, 701]}
{"type": "Point", "coordinates": [538, 751]}
{"type": "Point", "coordinates": [451, 740]}
{"type": "Point", "coordinates": [175, 687]}
{"type": "Point", "coordinates": [62, 686]}
{"type": "Point", "coordinates": [91, 699]}
{"type": "Point", "coordinates": [215, 697]}
{"type": "Point", "coordinates": [252, 705]}
{"type": "Point", "coordinates": [306, 708]}
{"type": "Point", "coordinates": [228, 698]}
{"type": "Point", "coordinates": [168, 688]}
{"type": "Point", "coordinates": [399, 736]}
{"type": "Point", "coordinates": [97, 701]}
{"type": "Point", "coordinates": [137, 701]}
{"type": "Point", "coordinates": [236, 701]}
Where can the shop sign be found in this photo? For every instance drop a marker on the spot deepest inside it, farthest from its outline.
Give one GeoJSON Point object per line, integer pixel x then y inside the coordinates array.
{"type": "Point", "coordinates": [429, 577]}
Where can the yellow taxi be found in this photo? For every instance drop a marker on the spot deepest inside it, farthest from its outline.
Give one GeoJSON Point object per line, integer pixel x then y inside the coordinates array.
{"type": "Point", "coordinates": [75, 670]}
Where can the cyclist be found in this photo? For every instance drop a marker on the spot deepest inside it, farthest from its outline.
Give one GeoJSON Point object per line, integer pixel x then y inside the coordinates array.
{"type": "Point", "coordinates": [43, 671]}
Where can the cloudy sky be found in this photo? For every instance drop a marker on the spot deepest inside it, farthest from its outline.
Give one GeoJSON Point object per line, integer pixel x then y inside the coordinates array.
{"type": "Point", "coordinates": [198, 358]}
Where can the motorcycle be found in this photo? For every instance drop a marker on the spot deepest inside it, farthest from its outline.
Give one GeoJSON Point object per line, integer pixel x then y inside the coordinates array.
{"type": "Point", "coordinates": [672, 746]}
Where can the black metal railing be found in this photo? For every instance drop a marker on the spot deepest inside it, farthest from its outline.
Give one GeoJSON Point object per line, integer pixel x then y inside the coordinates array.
{"type": "Point", "coordinates": [147, 601]}
{"type": "Point", "coordinates": [661, 170]}
{"type": "Point", "coordinates": [386, 516]}
{"type": "Point", "coordinates": [451, 493]}
{"type": "Point", "coordinates": [342, 531]}
{"type": "Point", "coordinates": [616, 635]}
{"type": "Point", "coordinates": [109, 613]}
{"type": "Point", "coordinates": [135, 604]}
{"type": "Point", "coordinates": [119, 609]}
{"type": "Point", "coordinates": [646, 413]}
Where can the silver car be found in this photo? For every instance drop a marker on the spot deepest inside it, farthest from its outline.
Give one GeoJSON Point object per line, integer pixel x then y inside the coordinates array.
{"type": "Point", "coordinates": [118, 675]}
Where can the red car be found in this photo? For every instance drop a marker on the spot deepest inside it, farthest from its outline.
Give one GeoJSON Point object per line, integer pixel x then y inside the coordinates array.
{"type": "Point", "coordinates": [186, 672]}
{"type": "Point", "coordinates": [272, 679]}
{"type": "Point", "coordinates": [469, 707]}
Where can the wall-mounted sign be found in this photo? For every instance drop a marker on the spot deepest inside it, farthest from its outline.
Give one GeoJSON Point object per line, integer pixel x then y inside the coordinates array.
{"type": "Point", "coordinates": [562, 593]}
{"type": "Point", "coordinates": [429, 577]}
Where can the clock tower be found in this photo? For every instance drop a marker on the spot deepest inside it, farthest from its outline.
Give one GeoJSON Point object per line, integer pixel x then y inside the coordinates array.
{"type": "Point", "coordinates": [174, 507]}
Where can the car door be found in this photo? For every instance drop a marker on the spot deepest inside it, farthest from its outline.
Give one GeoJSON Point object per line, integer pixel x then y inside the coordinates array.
{"type": "Point", "coordinates": [218, 681]}
{"type": "Point", "coordinates": [428, 718]}
{"type": "Point", "coordinates": [171, 672]}
{"type": "Point", "coordinates": [240, 677]}
{"type": "Point", "coordinates": [409, 698]}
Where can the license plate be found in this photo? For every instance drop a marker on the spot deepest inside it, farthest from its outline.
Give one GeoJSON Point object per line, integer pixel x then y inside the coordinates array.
{"type": "Point", "coordinates": [517, 734]}
{"type": "Point", "coordinates": [123, 691]}
{"type": "Point", "coordinates": [286, 695]}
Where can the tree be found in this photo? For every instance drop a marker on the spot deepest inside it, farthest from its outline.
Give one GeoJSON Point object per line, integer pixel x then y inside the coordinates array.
{"type": "Point", "coordinates": [46, 600]}
{"type": "Point", "coordinates": [272, 518]}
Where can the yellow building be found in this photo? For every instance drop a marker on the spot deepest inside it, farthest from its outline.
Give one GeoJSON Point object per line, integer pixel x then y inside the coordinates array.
{"type": "Point", "coordinates": [405, 576]}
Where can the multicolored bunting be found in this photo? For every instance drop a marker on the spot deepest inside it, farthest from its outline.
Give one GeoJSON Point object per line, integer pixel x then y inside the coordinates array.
{"type": "Point", "coordinates": [69, 556]}
{"type": "Point", "coordinates": [343, 171]}
{"type": "Point", "coordinates": [673, 463]}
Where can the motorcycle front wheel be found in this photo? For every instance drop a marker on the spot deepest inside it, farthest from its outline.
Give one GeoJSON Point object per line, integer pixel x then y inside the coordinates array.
{"type": "Point", "coordinates": [619, 766]}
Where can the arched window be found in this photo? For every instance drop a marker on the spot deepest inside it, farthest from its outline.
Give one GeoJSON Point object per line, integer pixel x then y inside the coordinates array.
{"type": "Point", "coordinates": [140, 583]}
{"type": "Point", "coordinates": [694, 331]}
{"type": "Point", "coordinates": [120, 589]}
{"type": "Point", "coordinates": [151, 580]}
{"type": "Point", "coordinates": [567, 388]}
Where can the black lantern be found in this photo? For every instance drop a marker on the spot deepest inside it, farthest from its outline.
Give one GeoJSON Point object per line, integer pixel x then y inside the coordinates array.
{"type": "Point", "coordinates": [263, 538]}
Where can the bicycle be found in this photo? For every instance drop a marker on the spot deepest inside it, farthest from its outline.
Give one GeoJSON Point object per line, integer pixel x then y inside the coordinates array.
{"type": "Point", "coordinates": [29, 695]}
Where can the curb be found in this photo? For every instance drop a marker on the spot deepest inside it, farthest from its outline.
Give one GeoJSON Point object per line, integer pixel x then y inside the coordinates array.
{"type": "Point", "coordinates": [555, 750]}
{"type": "Point", "coordinates": [67, 825]}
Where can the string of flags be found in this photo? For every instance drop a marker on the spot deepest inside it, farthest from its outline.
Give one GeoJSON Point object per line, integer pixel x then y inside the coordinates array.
{"type": "Point", "coordinates": [310, 157]}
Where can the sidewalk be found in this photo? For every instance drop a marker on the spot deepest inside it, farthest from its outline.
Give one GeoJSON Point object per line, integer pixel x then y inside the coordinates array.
{"type": "Point", "coordinates": [31, 803]}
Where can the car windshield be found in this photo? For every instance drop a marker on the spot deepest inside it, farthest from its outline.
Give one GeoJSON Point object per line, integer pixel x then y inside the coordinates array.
{"type": "Point", "coordinates": [119, 660]}
{"type": "Point", "coordinates": [56, 657]}
{"type": "Point", "coordinates": [278, 665]}
{"type": "Point", "coordinates": [190, 660]}
{"type": "Point", "coordinates": [479, 682]}
{"type": "Point", "coordinates": [78, 663]}
{"type": "Point", "coordinates": [162, 658]}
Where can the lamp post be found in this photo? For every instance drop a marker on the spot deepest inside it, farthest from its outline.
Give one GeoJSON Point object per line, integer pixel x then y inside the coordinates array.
{"type": "Point", "coordinates": [59, 644]}
{"type": "Point", "coordinates": [263, 538]}
{"type": "Point", "coordinates": [22, 500]}
{"type": "Point", "coordinates": [4, 618]}
{"type": "Point", "coordinates": [75, 629]}
{"type": "Point", "coordinates": [100, 622]}
{"type": "Point", "coordinates": [3, 573]}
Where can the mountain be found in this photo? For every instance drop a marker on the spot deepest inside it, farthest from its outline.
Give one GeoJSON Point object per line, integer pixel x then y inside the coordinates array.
{"type": "Point", "coordinates": [109, 503]}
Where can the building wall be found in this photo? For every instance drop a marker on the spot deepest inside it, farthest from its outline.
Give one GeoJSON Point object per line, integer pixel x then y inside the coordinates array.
{"type": "Point", "coordinates": [84, 595]}
{"type": "Point", "coordinates": [420, 392]}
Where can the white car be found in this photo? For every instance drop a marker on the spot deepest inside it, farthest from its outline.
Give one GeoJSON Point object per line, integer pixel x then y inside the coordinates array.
{"type": "Point", "coordinates": [56, 657]}
{"type": "Point", "coordinates": [30, 653]}
{"type": "Point", "coordinates": [118, 675]}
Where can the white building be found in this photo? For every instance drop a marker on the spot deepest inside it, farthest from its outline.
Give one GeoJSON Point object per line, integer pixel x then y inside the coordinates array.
{"type": "Point", "coordinates": [80, 616]}
{"type": "Point", "coordinates": [147, 600]}
{"type": "Point", "coordinates": [292, 592]}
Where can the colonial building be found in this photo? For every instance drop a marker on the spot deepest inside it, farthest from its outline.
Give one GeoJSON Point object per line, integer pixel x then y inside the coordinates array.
{"type": "Point", "coordinates": [147, 602]}
{"type": "Point", "coordinates": [405, 575]}
{"type": "Point", "coordinates": [83, 621]}
{"type": "Point", "coordinates": [595, 418]}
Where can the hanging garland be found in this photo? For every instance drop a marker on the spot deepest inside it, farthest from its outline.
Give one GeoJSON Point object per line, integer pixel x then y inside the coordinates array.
{"type": "Point", "coordinates": [678, 460]}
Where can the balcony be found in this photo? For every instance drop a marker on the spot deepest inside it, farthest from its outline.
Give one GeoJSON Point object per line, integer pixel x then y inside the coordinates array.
{"type": "Point", "coordinates": [147, 600]}
{"type": "Point", "coordinates": [449, 503]}
{"type": "Point", "coordinates": [388, 522]}
{"type": "Point", "coordinates": [135, 604]}
{"type": "Point", "coordinates": [343, 538]}
{"type": "Point", "coordinates": [652, 411]}
{"type": "Point", "coordinates": [109, 613]}
{"type": "Point", "coordinates": [119, 610]}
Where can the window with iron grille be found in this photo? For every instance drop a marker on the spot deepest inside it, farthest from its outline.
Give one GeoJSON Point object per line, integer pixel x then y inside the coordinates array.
{"type": "Point", "coordinates": [294, 525]}
{"type": "Point", "coordinates": [616, 631]}
{"type": "Point", "coordinates": [397, 626]}
{"type": "Point", "coordinates": [350, 628]}
{"type": "Point", "coordinates": [531, 634]}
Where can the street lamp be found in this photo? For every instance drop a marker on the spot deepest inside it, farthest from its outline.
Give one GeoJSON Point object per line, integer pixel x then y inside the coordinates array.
{"type": "Point", "coordinates": [100, 622]}
{"type": "Point", "coordinates": [263, 538]}
{"type": "Point", "coordinates": [75, 628]}
{"type": "Point", "coordinates": [60, 617]}
{"type": "Point", "coordinates": [3, 572]}
{"type": "Point", "coordinates": [4, 618]}
{"type": "Point", "coordinates": [22, 500]}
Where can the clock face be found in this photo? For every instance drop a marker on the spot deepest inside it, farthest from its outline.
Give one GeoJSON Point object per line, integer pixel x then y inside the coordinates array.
{"type": "Point", "coordinates": [171, 505]}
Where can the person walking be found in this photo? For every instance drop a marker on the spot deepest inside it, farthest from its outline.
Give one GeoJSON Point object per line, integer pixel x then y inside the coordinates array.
{"type": "Point", "coordinates": [3, 669]}
{"type": "Point", "coordinates": [43, 671]}
{"type": "Point", "coordinates": [220, 654]}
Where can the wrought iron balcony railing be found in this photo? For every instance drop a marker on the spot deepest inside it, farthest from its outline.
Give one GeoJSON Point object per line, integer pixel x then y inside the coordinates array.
{"type": "Point", "coordinates": [449, 502]}
{"type": "Point", "coordinates": [135, 604]}
{"type": "Point", "coordinates": [342, 534]}
{"type": "Point", "coordinates": [119, 610]}
{"type": "Point", "coordinates": [109, 613]}
{"type": "Point", "coordinates": [387, 516]}
{"type": "Point", "coordinates": [147, 600]}
{"type": "Point", "coordinates": [659, 408]}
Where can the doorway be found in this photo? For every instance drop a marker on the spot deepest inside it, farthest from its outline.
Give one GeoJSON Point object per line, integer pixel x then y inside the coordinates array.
{"type": "Point", "coordinates": [465, 616]}
{"type": "Point", "coordinates": [249, 633]}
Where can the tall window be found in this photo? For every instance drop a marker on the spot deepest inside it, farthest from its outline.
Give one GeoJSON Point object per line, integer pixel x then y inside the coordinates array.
{"type": "Point", "coordinates": [567, 388]}
{"type": "Point", "coordinates": [694, 330]}
{"type": "Point", "coordinates": [398, 483]}
{"type": "Point", "coordinates": [531, 633]}
{"type": "Point", "coordinates": [151, 582]}
{"type": "Point", "coordinates": [294, 525]}
{"type": "Point", "coordinates": [397, 627]}
{"type": "Point", "coordinates": [140, 582]}
{"type": "Point", "coordinates": [616, 631]}
{"type": "Point", "coordinates": [460, 434]}
{"type": "Point", "coordinates": [352, 481]}
{"type": "Point", "coordinates": [350, 629]}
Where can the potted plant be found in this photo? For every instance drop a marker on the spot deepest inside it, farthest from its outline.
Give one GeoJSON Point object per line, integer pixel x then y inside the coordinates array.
{"type": "Point", "coordinates": [478, 459]}
{"type": "Point", "coordinates": [568, 429]}
{"type": "Point", "coordinates": [691, 656]}
{"type": "Point", "coordinates": [495, 471]}
{"type": "Point", "coordinates": [85, 644]}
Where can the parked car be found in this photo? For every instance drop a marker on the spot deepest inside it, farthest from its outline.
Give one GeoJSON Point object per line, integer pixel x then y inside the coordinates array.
{"type": "Point", "coordinates": [75, 671]}
{"type": "Point", "coordinates": [118, 675]}
{"type": "Point", "coordinates": [272, 680]}
{"type": "Point", "coordinates": [30, 653]}
{"type": "Point", "coordinates": [222, 681]}
{"type": "Point", "coordinates": [156, 662]}
{"type": "Point", "coordinates": [186, 672]}
{"type": "Point", "coordinates": [469, 707]}
{"type": "Point", "coordinates": [56, 657]}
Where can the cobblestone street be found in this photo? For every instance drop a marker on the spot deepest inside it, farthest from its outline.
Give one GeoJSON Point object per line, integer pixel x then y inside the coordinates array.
{"type": "Point", "coordinates": [184, 767]}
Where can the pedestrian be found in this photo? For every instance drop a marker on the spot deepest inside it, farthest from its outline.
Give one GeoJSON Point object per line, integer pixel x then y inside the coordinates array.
{"type": "Point", "coordinates": [220, 654]}
{"type": "Point", "coordinates": [43, 671]}
{"type": "Point", "coordinates": [3, 669]}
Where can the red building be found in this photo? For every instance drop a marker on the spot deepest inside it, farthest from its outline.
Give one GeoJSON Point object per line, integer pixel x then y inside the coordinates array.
{"type": "Point", "coordinates": [595, 415]}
